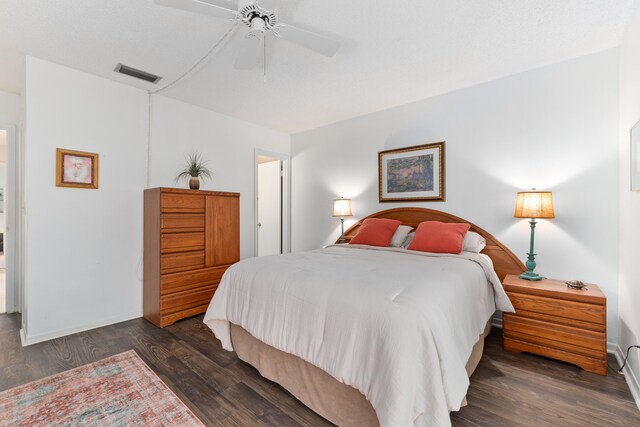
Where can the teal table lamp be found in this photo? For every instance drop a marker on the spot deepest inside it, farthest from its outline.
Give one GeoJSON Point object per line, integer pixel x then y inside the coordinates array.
{"type": "Point", "coordinates": [342, 208]}
{"type": "Point", "coordinates": [533, 204]}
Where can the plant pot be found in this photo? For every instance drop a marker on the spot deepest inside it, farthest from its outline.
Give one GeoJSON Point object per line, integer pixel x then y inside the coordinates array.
{"type": "Point", "coordinates": [194, 183]}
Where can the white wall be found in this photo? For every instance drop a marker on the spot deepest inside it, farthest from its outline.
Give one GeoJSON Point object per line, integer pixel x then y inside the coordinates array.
{"type": "Point", "coordinates": [84, 247]}
{"type": "Point", "coordinates": [10, 108]}
{"type": "Point", "coordinates": [629, 201]}
{"type": "Point", "coordinates": [554, 128]}
{"type": "Point", "coordinates": [228, 144]}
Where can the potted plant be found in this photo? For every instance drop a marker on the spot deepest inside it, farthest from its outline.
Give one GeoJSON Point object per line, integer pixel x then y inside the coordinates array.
{"type": "Point", "coordinates": [194, 170]}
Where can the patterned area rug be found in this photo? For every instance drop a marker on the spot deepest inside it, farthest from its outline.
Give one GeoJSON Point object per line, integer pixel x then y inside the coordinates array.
{"type": "Point", "coordinates": [117, 391]}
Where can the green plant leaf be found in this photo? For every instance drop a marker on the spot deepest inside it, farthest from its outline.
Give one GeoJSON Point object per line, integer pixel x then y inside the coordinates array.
{"type": "Point", "coordinates": [195, 167]}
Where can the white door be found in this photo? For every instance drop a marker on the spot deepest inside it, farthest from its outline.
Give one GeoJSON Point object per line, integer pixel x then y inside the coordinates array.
{"type": "Point", "coordinates": [269, 208]}
{"type": "Point", "coordinates": [3, 282]}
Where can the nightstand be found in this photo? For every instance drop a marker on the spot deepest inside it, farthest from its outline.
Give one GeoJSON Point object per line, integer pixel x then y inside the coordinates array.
{"type": "Point", "coordinates": [555, 321]}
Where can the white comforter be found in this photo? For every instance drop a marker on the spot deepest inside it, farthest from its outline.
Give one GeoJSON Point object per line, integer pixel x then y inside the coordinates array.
{"type": "Point", "coordinates": [397, 325]}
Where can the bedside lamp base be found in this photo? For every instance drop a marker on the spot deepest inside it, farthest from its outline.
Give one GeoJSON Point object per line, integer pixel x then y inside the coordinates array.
{"type": "Point", "coordinates": [531, 257]}
{"type": "Point", "coordinates": [531, 263]}
{"type": "Point", "coordinates": [530, 275]}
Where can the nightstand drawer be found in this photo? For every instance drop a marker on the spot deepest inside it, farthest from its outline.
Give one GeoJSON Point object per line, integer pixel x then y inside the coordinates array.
{"type": "Point", "coordinates": [548, 331]}
{"type": "Point", "coordinates": [549, 343]}
{"type": "Point", "coordinates": [591, 364]}
{"type": "Point", "coordinates": [561, 308]}
{"type": "Point", "coordinates": [550, 318]}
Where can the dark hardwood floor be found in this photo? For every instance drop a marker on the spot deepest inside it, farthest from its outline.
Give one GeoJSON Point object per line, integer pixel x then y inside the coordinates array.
{"type": "Point", "coordinates": [507, 389]}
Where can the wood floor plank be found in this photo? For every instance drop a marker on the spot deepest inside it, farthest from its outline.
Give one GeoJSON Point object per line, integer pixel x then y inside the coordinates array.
{"type": "Point", "coordinates": [507, 389]}
{"type": "Point", "coordinates": [257, 406]}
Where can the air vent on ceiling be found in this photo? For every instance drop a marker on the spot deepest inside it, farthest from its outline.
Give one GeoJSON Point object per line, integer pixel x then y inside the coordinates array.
{"type": "Point", "coordinates": [138, 74]}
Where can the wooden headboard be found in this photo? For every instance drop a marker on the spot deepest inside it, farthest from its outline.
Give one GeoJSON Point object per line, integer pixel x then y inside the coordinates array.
{"type": "Point", "coordinates": [504, 261]}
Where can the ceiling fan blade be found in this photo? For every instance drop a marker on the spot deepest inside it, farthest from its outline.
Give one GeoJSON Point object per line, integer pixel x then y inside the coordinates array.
{"type": "Point", "coordinates": [199, 7]}
{"type": "Point", "coordinates": [248, 52]}
{"type": "Point", "coordinates": [268, 4]}
{"type": "Point", "coordinates": [308, 39]}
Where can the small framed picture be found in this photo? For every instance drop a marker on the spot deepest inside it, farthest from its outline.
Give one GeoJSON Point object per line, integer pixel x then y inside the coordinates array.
{"type": "Point", "coordinates": [76, 169]}
{"type": "Point", "coordinates": [635, 157]}
{"type": "Point", "coordinates": [412, 174]}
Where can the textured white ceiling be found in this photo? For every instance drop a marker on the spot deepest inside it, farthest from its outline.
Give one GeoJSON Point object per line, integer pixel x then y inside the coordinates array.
{"type": "Point", "coordinates": [392, 52]}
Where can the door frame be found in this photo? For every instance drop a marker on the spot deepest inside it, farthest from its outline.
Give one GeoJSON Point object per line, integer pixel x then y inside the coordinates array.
{"type": "Point", "coordinates": [286, 198]}
{"type": "Point", "coordinates": [14, 231]}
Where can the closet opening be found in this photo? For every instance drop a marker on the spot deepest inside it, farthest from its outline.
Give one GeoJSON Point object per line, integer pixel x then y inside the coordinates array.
{"type": "Point", "coordinates": [271, 203]}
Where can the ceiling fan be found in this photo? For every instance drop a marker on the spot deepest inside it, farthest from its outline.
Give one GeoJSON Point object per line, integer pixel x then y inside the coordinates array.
{"type": "Point", "coordinates": [261, 17]}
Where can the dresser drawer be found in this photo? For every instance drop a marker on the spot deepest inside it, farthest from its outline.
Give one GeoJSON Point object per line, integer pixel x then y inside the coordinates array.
{"type": "Point", "coordinates": [181, 242]}
{"type": "Point", "coordinates": [177, 282]}
{"type": "Point", "coordinates": [182, 203]}
{"type": "Point", "coordinates": [172, 263]}
{"type": "Point", "coordinates": [561, 308]}
{"type": "Point", "coordinates": [181, 301]}
{"type": "Point", "coordinates": [553, 332]}
{"type": "Point", "coordinates": [182, 223]}
{"type": "Point", "coordinates": [171, 318]}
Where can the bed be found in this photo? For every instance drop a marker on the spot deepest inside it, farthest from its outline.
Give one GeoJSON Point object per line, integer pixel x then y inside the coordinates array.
{"type": "Point", "coordinates": [362, 335]}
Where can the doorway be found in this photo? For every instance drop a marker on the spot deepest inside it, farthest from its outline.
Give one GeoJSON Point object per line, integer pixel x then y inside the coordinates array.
{"type": "Point", "coordinates": [272, 205]}
{"type": "Point", "coordinates": [10, 221]}
{"type": "Point", "coordinates": [3, 180]}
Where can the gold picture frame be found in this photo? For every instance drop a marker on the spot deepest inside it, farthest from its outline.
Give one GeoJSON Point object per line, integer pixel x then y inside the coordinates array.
{"type": "Point", "coordinates": [412, 174]}
{"type": "Point", "coordinates": [76, 169]}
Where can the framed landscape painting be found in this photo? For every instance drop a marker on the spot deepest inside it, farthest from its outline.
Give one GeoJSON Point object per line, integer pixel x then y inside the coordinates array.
{"type": "Point", "coordinates": [76, 169]}
{"type": "Point", "coordinates": [412, 174]}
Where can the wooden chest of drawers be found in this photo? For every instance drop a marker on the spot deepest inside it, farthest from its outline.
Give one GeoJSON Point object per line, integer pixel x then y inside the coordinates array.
{"type": "Point", "coordinates": [190, 239]}
{"type": "Point", "coordinates": [555, 321]}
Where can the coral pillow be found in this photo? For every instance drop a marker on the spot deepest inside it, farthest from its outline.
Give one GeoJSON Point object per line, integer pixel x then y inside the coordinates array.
{"type": "Point", "coordinates": [376, 232]}
{"type": "Point", "coordinates": [439, 237]}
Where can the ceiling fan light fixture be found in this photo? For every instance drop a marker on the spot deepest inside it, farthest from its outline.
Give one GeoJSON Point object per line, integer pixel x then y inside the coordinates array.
{"type": "Point", "coordinates": [261, 17]}
{"type": "Point", "coordinates": [250, 10]}
{"type": "Point", "coordinates": [258, 25]}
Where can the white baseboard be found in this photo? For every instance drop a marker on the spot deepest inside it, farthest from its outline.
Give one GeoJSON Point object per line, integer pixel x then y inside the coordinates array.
{"type": "Point", "coordinates": [22, 337]}
{"type": "Point", "coordinates": [632, 380]}
{"type": "Point", "coordinates": [34, 339]}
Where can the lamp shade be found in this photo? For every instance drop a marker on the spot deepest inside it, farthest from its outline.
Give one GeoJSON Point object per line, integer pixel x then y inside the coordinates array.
{"type": "Point", "coordinates": [342, 207]}
{"type": "Point", "coordinates": [534, 204]}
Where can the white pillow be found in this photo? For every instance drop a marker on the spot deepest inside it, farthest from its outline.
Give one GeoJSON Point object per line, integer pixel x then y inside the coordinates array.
{"type": "Point", "coordinates": [408, 240]}
{"type": "Point", "coordinates": [400, 235]}
{"type": "Point", "coordinates": [473, 242]}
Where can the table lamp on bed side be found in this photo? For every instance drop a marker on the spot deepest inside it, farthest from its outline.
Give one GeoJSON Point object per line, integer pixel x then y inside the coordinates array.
{"type": "Point", "coordinates": [533, 204]}
{"type": "Point", "coordinates": [341, 209]}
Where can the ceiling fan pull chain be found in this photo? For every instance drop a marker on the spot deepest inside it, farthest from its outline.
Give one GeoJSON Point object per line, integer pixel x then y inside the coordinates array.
{"type": "Point", "coordinates": [264, 58]}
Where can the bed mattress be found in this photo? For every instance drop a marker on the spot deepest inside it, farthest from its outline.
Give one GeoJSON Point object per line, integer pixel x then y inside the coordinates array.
{"type": "Point", "coordinates": [398, 326]}
{"type": "Point", "coordinates": [339, 403]}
